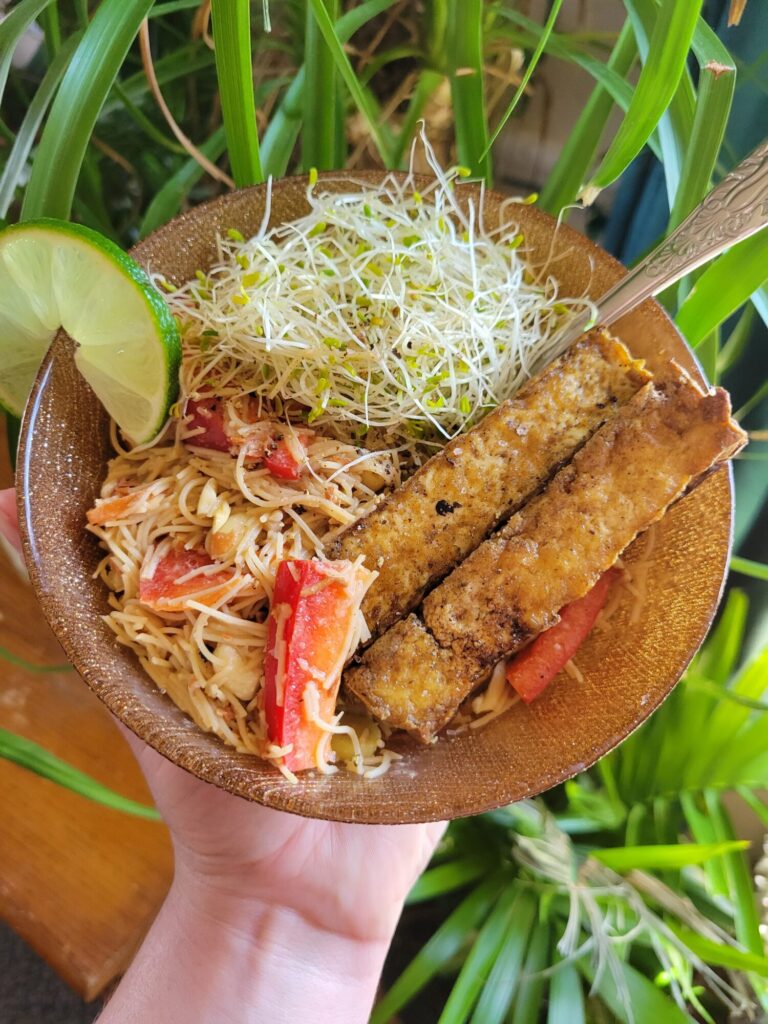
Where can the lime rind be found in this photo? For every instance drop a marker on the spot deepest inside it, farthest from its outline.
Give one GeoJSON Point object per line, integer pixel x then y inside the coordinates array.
{"type": "Point", "coordinates": [53, 273]}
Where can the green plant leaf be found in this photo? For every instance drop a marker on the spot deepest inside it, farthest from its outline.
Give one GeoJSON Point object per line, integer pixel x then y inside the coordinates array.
{"type": "Point", "coordinates": [283, 129]}
{"type": "Point", "coordinates": [723, 287]}
{"type": "Point", "coordinates": [27, 133]}
{"type": "Point", "coordinates": [167, 202]}
{"type": "Point", "coordinates": [440, 948]}
{"type": "Point", "coordinates": [424, 90]}
{"type": "Point", "coordinates": [12, 28]}
{"type": "Point", "coordinates": [73, 114]}
{"type": "Point", "coordinates": [736, 344]}
{"type": "Point", "coordinates": [570, 170]}
{"type": "Point", "coordinates": [703, 831]}
{"type": "Point", "coordinates": [566, 995]}
{"type": "Point", "coordinates": [29, 666]}
{"type": "Point", "coordinates": [180, 63]}
{"type": "Point", "coordinates": [681, 855]}
{"type": "Point", "coordinates": [643, 1000]}
{"type": "Point", "coordinates": [747, 567]}
{"type": "Point", "coordinates": [172, 6]}
{"type": "Point", "coordinates": [717, 81]}
{"type": "Point", "coordinates": [740, 888]}
{"type": "Point", "coordinates": [359, 95]}
{"type": "Point", "coordinates": [448, 877]}
{"type": "Point", "coordinates": [499, 990]}
{"type": "Point", "coordinates": [752, 403]}
{"type": "Point", "coordinates": [528, 998]}
{"type": "Point", "coordinates": [464, 48]}
{"type": "Point", "coordinates": [676, 123]}
{"type": "Point", "coordinates": [234, 69]}
{"type": "Point", "coordinates": [146, 125]}
{"type": "Point", "coordinates": [720, 654]}
{"type": "Point", "coordinates": [665, 64]}
{"type": "Point", "coordinates": [36, 759]}
{"type": "Point", "coordinates": [321, 108]}
{"type": "Point", "coordinates": [480, 959]}
{"type": "Point", "coordinates": [718, 954]}
{"type": "Point", "coordinates": [549, 24]}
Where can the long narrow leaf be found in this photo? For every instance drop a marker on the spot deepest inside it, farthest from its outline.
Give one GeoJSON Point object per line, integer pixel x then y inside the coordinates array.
{"type": "Point", "coordinates": [546, 32]}
{"type": "Point", "coordinates": [676, 123]}
{"type": "Point", "coordinates": [359, 95]}
{"type": "Point", "coordinates": [181, 63]}
{"type": "Point", "coordinates": [672, 34]}
{"type": "Point", "coordinates": [422, 93]}
{"type": "Point", "coordinates": [30, 666]}
{"type": "Point", "coordinates": [448, 877]}
{"type": "Point", "coordinates": [283, 129]}
{"type": "Point", "coordinates": [480, 959]}
{"type": "Point", "coordinates": [724, 286]}
{"type": "Point", "coordinates": [528, 997]}
{"type": "Point", "coordinates": [27, 133]}
{"type": "Point", "coordinates": [752, 403]}
{"type": "Point", "coordinates": [12, 28]}
{"type": "Point", "coordinates": [640, 999]}
{"type": "Point", "coordinates": [739, 879]}
{"type": "Point", "coordinates": [464, 43]}
{"type": "Point", "coordinates": [733, 349]}
{"type": "Point", "coordinates": [444, 944]}
{"type": "Point", "coordinates": [720, 955]}
{"type": "Point", "coordinates": [629, 858]}
{"type": "Point", "coordinates": [321, 96]}
{"type": "Point", "coordinates": [717, 81]}
{"type": "Point", "coordinates": [570, 170]}
{"type": "Point", "coordinates": [84, 87]}
{"type": "Point", "coordinates": [566, 996]}
{"type": "Point", "coordinates": [499, 990]}
{"type": "Point", "coordinates": [168, 200]}
{"type": "Point", "coordinates": [36, 759]}
{"type": "Point", "coordinates": [145, 123]}
{"type": "Point", "coordinates": [232, 36]}
{"type": "Point", "coordinates": [703, 831]}
{"type": "Point", "coordinates": [719, 656]}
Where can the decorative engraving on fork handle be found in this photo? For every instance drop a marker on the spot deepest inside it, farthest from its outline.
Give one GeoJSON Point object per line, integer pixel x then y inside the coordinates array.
{"type": "Point", "coordinates": [736, 207]}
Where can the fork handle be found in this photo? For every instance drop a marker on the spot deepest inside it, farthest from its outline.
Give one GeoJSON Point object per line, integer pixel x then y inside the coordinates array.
{"type": "Point", "coordinates": [735, 209]}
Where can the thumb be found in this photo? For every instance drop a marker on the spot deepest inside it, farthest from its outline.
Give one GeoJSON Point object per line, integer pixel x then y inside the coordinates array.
{"type": "Point", "coordinates": [9, 520]}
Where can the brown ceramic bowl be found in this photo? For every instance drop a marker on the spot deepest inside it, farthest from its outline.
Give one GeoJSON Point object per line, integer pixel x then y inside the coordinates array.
{"type": "Point", "coordinates": [627, 672]}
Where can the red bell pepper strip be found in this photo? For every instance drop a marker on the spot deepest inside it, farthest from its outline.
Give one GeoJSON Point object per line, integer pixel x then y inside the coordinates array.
{"type": "Point", "coordinates": [309, 632]}
{"type": "Point", "coordinates": [163, 591]}
{"type": "Point", "coordinates": [206, 416]}
{"type": "Point", "coordinates": [534, 668]}
{"type": "Point", "coordinates": [280, 459]}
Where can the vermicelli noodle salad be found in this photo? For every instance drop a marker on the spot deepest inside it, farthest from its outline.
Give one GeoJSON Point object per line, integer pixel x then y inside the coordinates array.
{"type": "Point", "coordinates": [356, 416]}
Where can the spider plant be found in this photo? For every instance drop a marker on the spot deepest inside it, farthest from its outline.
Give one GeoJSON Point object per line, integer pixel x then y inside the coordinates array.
{"type": "Point", "coordinates": [624, 894]}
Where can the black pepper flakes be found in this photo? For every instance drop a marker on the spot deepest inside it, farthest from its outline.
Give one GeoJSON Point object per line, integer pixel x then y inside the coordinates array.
{"type": "Point", "coordinates": [444, 508]}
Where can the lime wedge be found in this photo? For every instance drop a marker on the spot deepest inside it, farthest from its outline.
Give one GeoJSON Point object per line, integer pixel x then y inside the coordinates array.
{"type": "Point", "coordinates": [55, 274]}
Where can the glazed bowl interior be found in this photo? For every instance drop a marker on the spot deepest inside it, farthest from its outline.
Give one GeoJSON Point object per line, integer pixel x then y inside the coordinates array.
{"type": "Point", "coordinates": [628, 669]}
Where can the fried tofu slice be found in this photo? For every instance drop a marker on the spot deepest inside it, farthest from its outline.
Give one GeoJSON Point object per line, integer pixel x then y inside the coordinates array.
{"type": "Point", "coordinates": [549, 553]}
{"type": "Point", "coordinates": [410, 682]}
{"type": "Point", "coordinates": [450, 505]}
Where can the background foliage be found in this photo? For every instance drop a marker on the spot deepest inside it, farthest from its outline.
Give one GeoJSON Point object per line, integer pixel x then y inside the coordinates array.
{"type": "Point", "coordinates": [622, 895]}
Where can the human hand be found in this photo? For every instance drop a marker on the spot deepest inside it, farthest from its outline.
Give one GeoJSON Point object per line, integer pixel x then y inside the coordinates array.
{"type": "Point", "coordinates": [301, 896]}
{"type": "Point", "coordinates": [351, 879]}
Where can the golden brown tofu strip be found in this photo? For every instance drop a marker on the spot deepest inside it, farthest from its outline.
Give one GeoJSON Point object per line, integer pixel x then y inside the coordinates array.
{"type": "Point", "coordinates": [410, 682]}
{"type": "Point", "coordinates": [417, 535]}
{"type": "Point", "coordinates": [550, 553]}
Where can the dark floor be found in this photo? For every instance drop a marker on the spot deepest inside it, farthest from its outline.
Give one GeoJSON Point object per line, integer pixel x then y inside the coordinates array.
{"type": "Point", "coordinates": [30, 993]}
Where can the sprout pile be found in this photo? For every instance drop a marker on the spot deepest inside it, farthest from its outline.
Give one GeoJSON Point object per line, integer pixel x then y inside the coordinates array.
{"type": "Point", "coordinates": [382, 309]}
